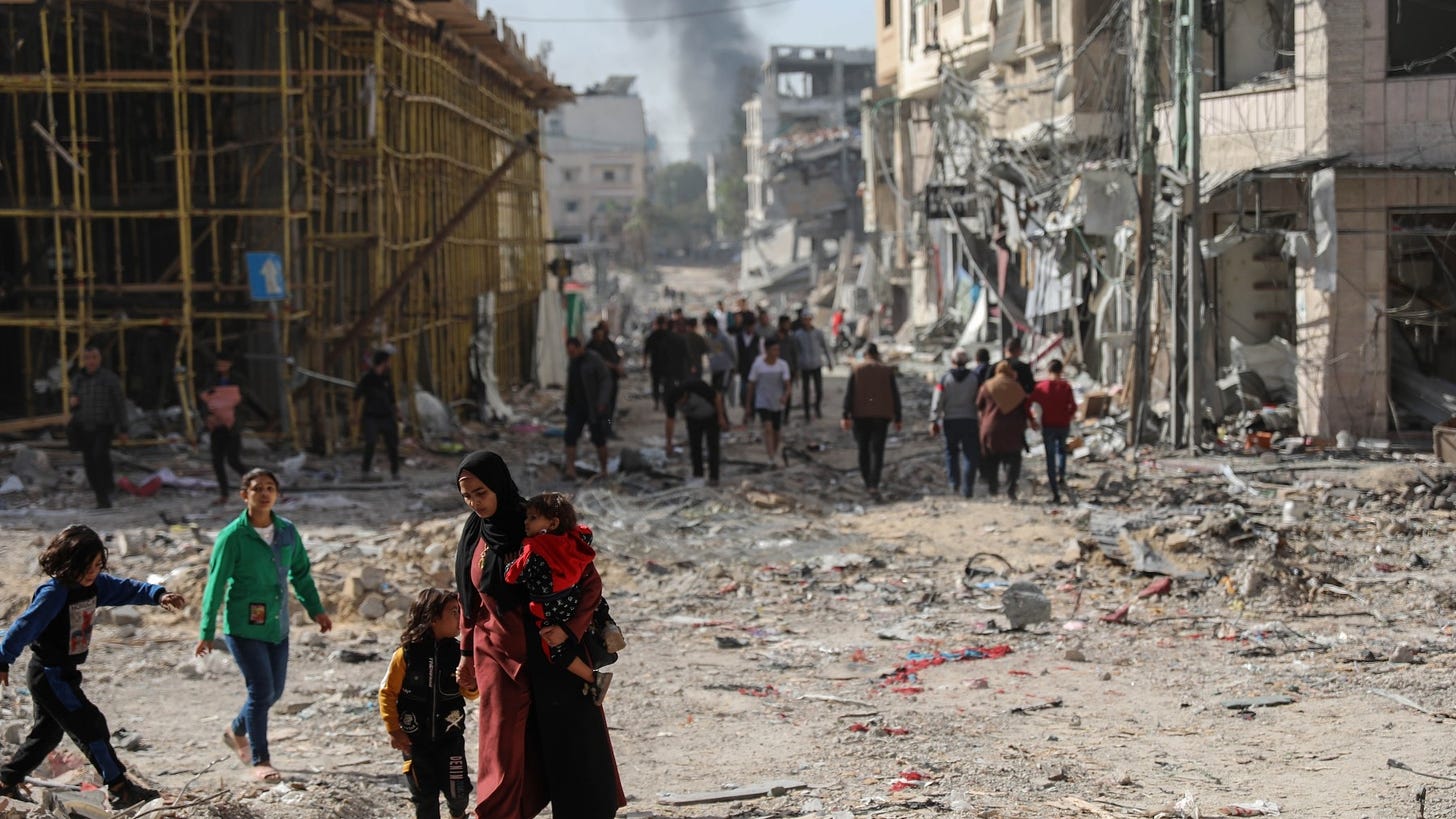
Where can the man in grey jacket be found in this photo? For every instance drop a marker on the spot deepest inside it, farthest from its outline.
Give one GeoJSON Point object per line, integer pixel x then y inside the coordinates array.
{"type": "Point", "coordinates": [953, 406]}
{"type": "Point", "coordinates": [588, 403]}
{"type": "Point", "coordinates": [814, 354]}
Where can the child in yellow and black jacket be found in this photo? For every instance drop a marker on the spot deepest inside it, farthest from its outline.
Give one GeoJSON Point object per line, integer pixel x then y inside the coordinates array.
{"type": "Point", "coordinates": [424, 707]}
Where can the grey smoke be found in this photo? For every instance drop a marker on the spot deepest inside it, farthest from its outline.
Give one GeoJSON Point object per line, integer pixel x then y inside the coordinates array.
{"type": "Point", "coordinates": [714, 58]}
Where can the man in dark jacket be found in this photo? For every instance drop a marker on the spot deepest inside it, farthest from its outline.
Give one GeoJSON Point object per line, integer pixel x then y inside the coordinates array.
{"type": "Point", "coordinates": [652, 356]}
{"type": "Point", "coordinates": [588, 403]}
{"type": "Point", "coordinates": [98, 413]}
{"type": "Point", "coordinates": [601, 343]}
{"type": "Point", "coordinates": [702, 408]}
{"type": "Point", "coordinates": [747, 347]}
{"type": "Point", "coordinates": [378, 414]}
{"type": "Point", "coordinates": [871, 402]}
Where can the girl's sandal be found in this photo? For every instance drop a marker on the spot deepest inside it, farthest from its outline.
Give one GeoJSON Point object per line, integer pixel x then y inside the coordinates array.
{"type": "Point", "coordinates": [266, 773]}
{"type": "Point", "coordinates": [239, 745]}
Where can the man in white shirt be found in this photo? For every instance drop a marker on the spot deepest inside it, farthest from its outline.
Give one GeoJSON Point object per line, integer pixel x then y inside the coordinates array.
{"type": "Point", "coordinates": [768, 394]}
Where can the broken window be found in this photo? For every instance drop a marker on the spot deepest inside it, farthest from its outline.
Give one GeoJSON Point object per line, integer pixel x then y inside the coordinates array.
{"type": "Point", "coordinates": [1421, 306]}
{"type": "Point", "coordinates": [572, 206]}
{"type": "Point", "coordinates": [1419, 39]}
{"type": "Point", "coordinates": [569, 174]}
{"type": "Point", "coordinates": [1252, 40]}
{"type": "Point", "coordinates": [887, 15]}
{"type": "Point", "coordinates": [609, 176]}
{"type": "Point", "coordinates": [1046, 21]}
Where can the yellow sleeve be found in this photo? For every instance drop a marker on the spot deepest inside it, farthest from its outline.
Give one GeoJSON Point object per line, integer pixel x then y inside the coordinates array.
{"type": "Point", "coordinates": [389, 691]}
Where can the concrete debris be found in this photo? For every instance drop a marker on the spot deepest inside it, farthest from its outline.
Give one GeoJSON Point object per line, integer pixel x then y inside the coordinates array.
{"type": "Point", "coordinates": [1025, 605]}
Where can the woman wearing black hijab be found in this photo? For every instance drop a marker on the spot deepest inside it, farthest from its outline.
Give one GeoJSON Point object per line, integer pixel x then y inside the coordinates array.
{"type": "Point", "coordinates": [541, 738]}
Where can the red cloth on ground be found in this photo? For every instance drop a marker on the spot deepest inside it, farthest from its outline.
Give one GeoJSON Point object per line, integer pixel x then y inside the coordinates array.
{"type": "Point", "coordinates": [1058, 405]}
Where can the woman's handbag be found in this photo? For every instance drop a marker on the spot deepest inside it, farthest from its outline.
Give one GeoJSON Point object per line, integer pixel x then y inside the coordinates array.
{"type": "Point", "coordinates": [603, 639]}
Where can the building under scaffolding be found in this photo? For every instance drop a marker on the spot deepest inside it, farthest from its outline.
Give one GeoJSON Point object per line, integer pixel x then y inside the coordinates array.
{"type": "Point", "coordinates": [379, 149]}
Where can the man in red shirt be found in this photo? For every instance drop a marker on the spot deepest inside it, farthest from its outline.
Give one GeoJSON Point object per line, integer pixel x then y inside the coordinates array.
{"type": "Point", "coordinates": [1058, 406]}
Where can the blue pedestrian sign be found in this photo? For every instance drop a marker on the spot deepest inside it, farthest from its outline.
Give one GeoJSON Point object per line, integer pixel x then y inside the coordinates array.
{"type": "Point", "coordinates": [265, 277]}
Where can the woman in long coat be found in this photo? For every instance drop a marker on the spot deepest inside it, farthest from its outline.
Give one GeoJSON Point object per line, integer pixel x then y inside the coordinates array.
{"type": "Point", "coordinates": [1002, 406]}
{"type": "Point", "coordinates": [542, 740]}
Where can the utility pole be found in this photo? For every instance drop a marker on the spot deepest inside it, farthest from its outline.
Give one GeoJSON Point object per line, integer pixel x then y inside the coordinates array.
{"type": "Point", "coordinates": [1192, 32]}
{"type": "Point", "coordinates": [1147, 191]}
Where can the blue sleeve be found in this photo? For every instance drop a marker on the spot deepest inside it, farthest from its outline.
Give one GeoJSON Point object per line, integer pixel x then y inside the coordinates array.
{"type": "Point", "coordinates": [48, 601]}
{"type": "Point", "coordinates": [122, 591]}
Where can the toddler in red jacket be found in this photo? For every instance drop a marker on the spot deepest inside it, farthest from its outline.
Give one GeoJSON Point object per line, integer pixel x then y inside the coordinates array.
{"type": "Point", "coordinates": [555, 553]}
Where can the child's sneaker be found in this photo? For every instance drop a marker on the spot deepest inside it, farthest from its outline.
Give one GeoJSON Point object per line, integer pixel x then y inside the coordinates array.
{"type": "Point", "coordinates": [597, 688]}
{"type": "Point", "coordinates": [14, 792]}
{"type": "Point", "coordinates": [128, 794]}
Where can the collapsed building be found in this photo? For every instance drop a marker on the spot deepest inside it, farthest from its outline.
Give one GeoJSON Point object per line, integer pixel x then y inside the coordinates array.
{"type": "Point", "coordinates": [1001, 154]}
{"type": "Point", "coordinates": [802, 141]}
{"type": "Point", "coordinates": [296, 182]}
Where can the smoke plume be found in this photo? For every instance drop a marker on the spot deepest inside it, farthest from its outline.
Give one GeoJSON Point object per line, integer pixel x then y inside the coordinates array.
{"type": "Point", "coordinates": [715, 58]}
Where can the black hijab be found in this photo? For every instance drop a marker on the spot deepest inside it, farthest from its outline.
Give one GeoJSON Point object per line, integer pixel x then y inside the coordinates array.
{"type": "Point", "coordinates": [503, 533]}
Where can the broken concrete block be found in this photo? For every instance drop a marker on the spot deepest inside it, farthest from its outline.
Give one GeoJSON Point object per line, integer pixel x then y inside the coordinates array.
{"type": "Point", "coordinates": [126, 616]}
{"type": "Point", "coordinates": [34, 467]}
{"type": "Point", "coordinates": [372, 607]}
{"type": "Point", "coordinates": [1025, 605]}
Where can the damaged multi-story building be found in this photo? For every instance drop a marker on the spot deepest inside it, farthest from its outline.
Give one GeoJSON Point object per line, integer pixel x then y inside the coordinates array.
{"type": "Point", "coordinates": [295, 183]}
{"type": "Point", "coordinates": [1001, 153]}
{"type": "Point", "coordinates": [982, 115]}
{"type": "Point", "coordinates": [802, 141]}
{"type": "Point", "coordinates": [1329, 201]}
{"type": "Point", "coordinates": [601, 159]}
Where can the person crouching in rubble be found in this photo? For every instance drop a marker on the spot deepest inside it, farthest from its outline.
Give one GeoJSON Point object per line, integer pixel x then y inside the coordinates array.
{"type": "Point", "coordinates": [57, 627]}
{"type": "Point", "coordinates": [1002, 404]}
{"type": "Point", "coordinates": [253, 561]}
{"type": "Point", "coordinates": [423, 705]}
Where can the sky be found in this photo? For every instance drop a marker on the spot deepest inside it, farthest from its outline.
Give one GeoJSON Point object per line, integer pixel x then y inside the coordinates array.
{"type": "Point", "coordinates": [583, 53]}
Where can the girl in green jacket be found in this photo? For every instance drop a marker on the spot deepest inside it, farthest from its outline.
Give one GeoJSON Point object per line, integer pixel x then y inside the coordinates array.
{"type": "Point", "coordinates": [253, 562]}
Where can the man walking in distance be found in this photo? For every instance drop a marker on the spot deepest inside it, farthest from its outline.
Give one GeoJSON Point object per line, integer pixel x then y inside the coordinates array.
{"type": "Point", "coordinates": [98, 410]}
{"type": "Point", "coordinates": [720, 353]}
{"type": "Point", "coordinates": [601, 343]}
{"type": "Point", "coordinates": [652, 356]}
{"type": "Point", "coordinates": [953, 406]}
{"type": "Point", "coordinates": [379, 415]}
{"type": "Point", "coordinates": [223, 398]}
{"type": "Point", "coordinates": [588, 401]}
{"type": "Point", "coordinates": [747, 347]}
{"type": "Point", "coordinates": [814, 354]}
{"type": "Point", "coordinates": [1058, 408]}
{"type": "Point", "coordinates": [871, 402]}
{"type": "Point", "coordinates": [702, 407]}
{"type": "Point", "coordinates": [768, 394]}
{"type": "Point", "coordinates": [1024, 375]}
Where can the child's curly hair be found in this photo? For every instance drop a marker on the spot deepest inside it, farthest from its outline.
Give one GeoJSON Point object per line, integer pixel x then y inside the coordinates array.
{"type": "Point", "coordinates": [69, 554]}
{"type": "Point", "coordinates": [554, 505]}
{"type": "Point", "coordinates": [428, 606]}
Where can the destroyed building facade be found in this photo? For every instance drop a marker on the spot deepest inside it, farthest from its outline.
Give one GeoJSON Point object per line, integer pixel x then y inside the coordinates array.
{"type": "Point", "coordinates": [1001, 147]}
{"type": "Point", "coordinates": [802, 141]}
{"type": "Point", "coordinates": [294, 182]}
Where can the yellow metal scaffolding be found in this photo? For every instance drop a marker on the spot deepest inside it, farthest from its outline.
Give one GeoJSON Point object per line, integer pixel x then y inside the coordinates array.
{"type": "Point", "coordinates": [154, 143]}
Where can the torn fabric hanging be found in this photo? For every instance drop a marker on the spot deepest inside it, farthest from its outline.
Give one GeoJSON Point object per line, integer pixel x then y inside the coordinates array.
{"type": "Point", "coordinates": [1322, 219]}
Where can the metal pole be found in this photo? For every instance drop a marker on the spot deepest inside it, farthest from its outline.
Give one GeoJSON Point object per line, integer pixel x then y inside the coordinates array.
{"type": "Point", "coordinates": [1147, 189]}
{"type": "Point", "coordinates": [1194, 253]}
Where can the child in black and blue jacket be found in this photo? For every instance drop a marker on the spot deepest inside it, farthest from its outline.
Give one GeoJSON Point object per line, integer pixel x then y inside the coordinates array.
{"type": "Point", "coordinates": [57, 628]}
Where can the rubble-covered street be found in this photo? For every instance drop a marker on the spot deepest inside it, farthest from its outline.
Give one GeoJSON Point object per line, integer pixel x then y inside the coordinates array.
{"type": "Point", "coordinates": [1193, 638]}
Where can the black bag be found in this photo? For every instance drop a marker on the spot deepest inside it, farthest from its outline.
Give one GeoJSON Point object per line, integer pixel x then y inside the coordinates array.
{"type": "Point", "coordinates": [603, 639]}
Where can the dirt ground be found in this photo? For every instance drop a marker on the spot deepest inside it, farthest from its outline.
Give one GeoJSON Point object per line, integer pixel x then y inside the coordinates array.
{"type": "Point", "coordinates": [779, 626]}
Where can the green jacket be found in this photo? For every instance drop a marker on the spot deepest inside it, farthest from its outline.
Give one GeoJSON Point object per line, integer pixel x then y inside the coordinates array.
{"type": "Point", "coordinates": [248, 577]}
